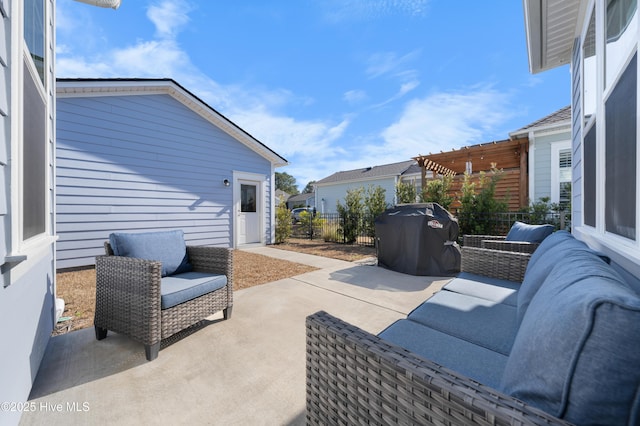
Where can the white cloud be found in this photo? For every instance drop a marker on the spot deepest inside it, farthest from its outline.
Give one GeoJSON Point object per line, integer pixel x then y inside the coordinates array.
{"type": "Point", "coordinates": [354, 96]}
{"type": "Point", "coordinates": [169, 17]}
{"type": "Point", "coordinates": [447, 120]}
{"type": "Point", "coordinates": [349, 10]}
{"type": "Point", "coordinates": [389, 63]}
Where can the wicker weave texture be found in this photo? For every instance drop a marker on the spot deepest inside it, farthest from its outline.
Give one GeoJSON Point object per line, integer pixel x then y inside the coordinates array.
{"type": "Point", "coordinates": [128, 294]}
{"type": "Point", "coordinates": [505, 265]}
{"type": "Point", "coordinates": [517, 246]}
{"type": "Point", "coordinates": [354, 377]}
{"type": "Point", "coordinates": [476, 240]}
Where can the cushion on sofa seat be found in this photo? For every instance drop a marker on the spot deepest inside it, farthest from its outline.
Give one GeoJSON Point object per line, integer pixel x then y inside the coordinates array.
{"type": "Point", "coordinates": [482, 322]}
{"type": "Point", "coordinates": [553, 257]}
{"type": "Point", "coordinates": [529, 233]}
{"type": "Point", "coordinates": [489, 288]}
{"type": "Point", "coordinates": [167, 247]}
{"type": "Point", "coordinates": [476, 362]}
{"type": "Point", "coordinates": [577, 353]}
{"type": "Point", "coordinates": [183, 287]}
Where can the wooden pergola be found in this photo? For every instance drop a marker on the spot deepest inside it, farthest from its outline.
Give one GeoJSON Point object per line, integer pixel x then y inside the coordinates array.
{"type": "Point", "coordinates": [509, 155]}
{"type": "Point", "coordinates": [426, 164]}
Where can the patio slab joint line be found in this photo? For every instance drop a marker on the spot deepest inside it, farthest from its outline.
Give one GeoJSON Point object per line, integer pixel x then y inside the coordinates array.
{"type": "Point", "coordinates": [351, 297]}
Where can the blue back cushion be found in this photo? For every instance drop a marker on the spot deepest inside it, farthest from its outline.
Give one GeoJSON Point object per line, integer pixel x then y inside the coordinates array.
{"type": "Point", "coordinates": [529, 233]}
{"type": "Point", "coordinates": [548, 256]}
{"type": "Point", "coordinates": [167, 247]}
{"type": "Point", "coordinates": [577, 352]}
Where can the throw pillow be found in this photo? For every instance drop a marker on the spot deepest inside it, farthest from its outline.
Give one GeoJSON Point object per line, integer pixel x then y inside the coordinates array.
{"type": "Point", "coordinates": [529, 233]}
{"type": "Point", "coordinates": [167, 247]}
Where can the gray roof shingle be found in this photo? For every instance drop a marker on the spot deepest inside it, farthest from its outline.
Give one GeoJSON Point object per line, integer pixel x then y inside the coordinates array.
{"type": "Point", "coordinates": [395, 169]}
{"type": "Point", "coordinates": [559, 116]}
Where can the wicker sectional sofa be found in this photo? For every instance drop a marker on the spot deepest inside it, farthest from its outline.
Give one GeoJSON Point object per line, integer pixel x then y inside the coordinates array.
{"type": "Point", "coordinates": [543, 338]}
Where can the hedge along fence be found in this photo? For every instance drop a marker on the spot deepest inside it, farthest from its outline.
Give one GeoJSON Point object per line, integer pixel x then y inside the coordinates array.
{"type": "Point", "coordinates": [360, 229]}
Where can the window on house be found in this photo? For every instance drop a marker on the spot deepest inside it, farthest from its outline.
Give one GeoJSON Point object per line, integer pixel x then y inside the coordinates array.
{"type": "Point", "coordinates": [248, 195]}
{"type": "Point", "coordinates": [34, 160]}
{"type": "Point", "coordinates": [34, 34]}
{"type": "Point", "coordinates": [589, 68]}
{"type": "Point", "coordinates": [34, 164]}
{"type": "Point", "coordinates": [589, 147]}
{"type": "Point", "coordinates": [620, 162]}
{"type": "Point", "coordinates": [564, 177]}
{"type": "Point", "coordinates": [621, 28]}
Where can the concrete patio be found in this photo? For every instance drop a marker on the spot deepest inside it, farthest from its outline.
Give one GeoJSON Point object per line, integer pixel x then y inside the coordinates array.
{"type": "Point", "coordinates": [247, 370]}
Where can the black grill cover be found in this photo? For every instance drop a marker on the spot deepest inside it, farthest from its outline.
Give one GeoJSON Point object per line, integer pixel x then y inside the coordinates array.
{"type": "Point", "coordinates": [418, 239]}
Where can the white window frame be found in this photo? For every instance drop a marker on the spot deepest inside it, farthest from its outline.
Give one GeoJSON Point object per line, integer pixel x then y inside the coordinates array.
{"type": "Point", "coordinates": [23, 254]}
{"type": "Point", "coordinates": [556, 147]}
{"type": "Point", "coordinates": [623, 251]}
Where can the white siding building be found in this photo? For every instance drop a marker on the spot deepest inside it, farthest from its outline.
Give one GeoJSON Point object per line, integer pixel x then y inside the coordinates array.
{"type": "Point", "coordinates": [138, 155]}
{"type": "Point", "coordinates": [549, 156]}
{"type": "Point", "coordinates": [27, 229]}
{"type": "Point", "coordinates": [332, 189]}
{"type": "Point", "coordinates": [600, 40]}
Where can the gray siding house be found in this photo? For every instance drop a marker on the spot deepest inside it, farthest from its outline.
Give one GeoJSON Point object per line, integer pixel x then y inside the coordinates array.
{"type": "Point", "coordinates": [307, 199]}
{"type": "Point", "coordinates": [600, 40]}
{"type": "Point", "coordinates": [136, 155]}
{"type": "Point", "coordinates": [549, 156]}
{"type": "Point", "coordinates": [27, 228]}
{"type": "Point", "coordinates": [332, 189]}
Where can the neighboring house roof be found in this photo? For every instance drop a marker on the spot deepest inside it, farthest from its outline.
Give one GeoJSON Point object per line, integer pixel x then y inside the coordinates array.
{"type": "Point", "coordinates": [78, 87]}
{"type": "Point", "coordinates": [368, 173]}
{"type": "Point", "coordinates": [557, 119]}
{"type": "Point", "coordinates": [301, 197]}
{"type": "Point", "coordinates": [551, 27]}
{"type": "Point", "coordinates": [413, 169]}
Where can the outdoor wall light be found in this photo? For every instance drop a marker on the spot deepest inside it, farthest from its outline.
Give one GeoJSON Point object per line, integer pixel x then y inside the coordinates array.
{"type": "Point", "coordinates": [226, 182]}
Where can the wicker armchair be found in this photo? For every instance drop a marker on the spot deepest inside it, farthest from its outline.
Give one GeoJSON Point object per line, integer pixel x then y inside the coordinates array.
{"type": "Point", "coordinates": [128, 296]}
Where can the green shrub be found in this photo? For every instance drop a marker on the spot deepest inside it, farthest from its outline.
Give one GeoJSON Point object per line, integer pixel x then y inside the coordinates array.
{"type": "Point", "coordinates": [478, 206]}
{"type": "Point", "coordinates": [437, 191]}
{"type": "Point", "coordinates": [405, 193]}
{"type": "Point", "coordinates": [283, 223]}
{"type": "Point", "coordinates": [351, 214]}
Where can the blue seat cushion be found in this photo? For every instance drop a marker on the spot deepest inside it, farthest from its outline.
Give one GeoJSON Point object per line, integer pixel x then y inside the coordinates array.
{"type": "Point", "coordinates": [482, 322]}
{"type": "Point", "coordinates": [577, 353]}
{"type": "Point", "coordinates": [167, 247]}
{"type": "Point", "coordinates": [183, 287]}
{"type": "Point", "coordinates": [529, 233]}
{"type": "Point", "coordinates": [493, 289]}
{"type": "Point", "coordinates": [543, 264]}
{"type": "Point", "coordinates": [476, 362]}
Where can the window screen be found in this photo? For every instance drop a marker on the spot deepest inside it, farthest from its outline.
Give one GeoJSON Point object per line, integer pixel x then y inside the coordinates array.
{"type": "Point", "coordinates": [620, 162]}
{"type": "Point", "coordinates": [34, 24]}
{"type": "Point", "coordinates": [590, 177]}
{"type": "Point", "coordinates": [34, 161]}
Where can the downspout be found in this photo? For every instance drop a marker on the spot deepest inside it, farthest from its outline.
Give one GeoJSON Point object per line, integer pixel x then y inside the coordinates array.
{"type": "Point", "coordinates": [113, 4]}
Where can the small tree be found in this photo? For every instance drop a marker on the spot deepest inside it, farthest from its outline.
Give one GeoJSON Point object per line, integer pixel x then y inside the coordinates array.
{"type": "Point", "coordinates": [351, 213]}
{"type": "Point", "coordinates": [283, 223]}
{"type": "Point", "coordinates": [437, 191]}
{"type": "Point", "coordinates": [478, 203]}
{"type": "Point", "coordinates": [405, 193]}
{"type": "Point", "coordinates": [375, 204]}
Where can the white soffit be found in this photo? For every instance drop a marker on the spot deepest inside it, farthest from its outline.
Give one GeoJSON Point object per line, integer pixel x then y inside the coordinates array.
{"type": "Point", "coordinates": [551, 27]}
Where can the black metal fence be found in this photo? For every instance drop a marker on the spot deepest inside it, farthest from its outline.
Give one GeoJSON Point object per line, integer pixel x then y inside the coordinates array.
{"type": "Point", "coordinates": [500, 223]}
{"type": "Point", "coordinates": [332, 227]}
{"type": "Point", "coordinates": [360, 229]}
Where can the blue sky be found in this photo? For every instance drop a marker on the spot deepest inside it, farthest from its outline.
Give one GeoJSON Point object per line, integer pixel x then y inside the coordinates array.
{"type": "Point", "coordinates": [330, 85]}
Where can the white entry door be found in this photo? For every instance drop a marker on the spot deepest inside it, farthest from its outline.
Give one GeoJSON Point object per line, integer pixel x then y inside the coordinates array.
{"type": "Point", "coordinates": [249, 208]}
